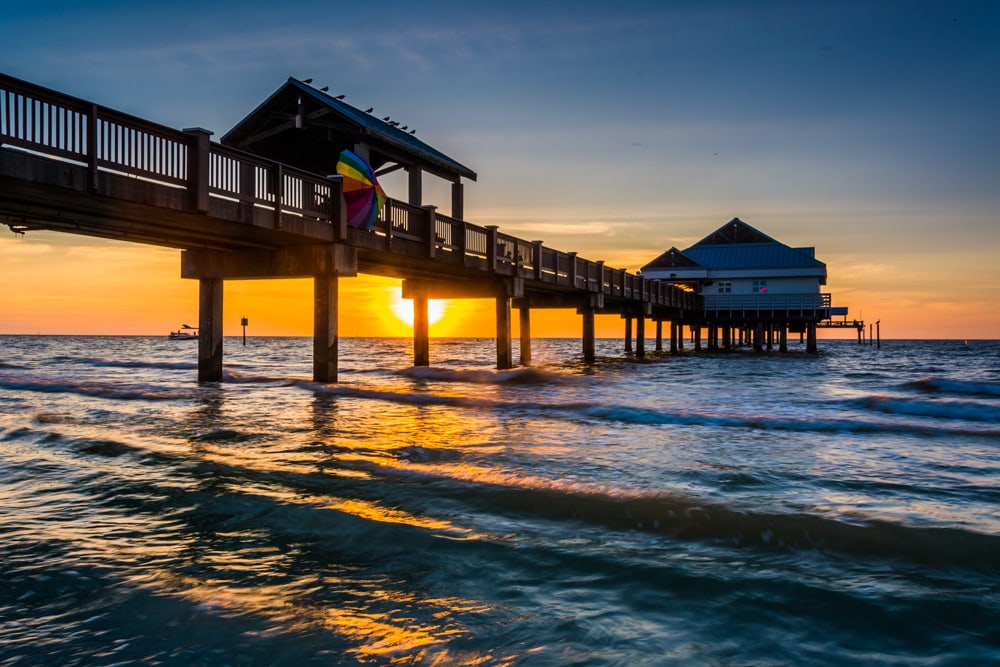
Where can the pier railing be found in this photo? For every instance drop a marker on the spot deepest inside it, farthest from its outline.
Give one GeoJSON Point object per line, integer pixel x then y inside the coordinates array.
{"type": "Point", "coordinates": [197, 175]}
{"type": "Point", "coordinates": [766, 303]}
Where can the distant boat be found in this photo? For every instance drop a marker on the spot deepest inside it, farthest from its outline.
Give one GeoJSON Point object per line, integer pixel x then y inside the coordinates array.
{"type": "Point", "coordinates": [186, 332]}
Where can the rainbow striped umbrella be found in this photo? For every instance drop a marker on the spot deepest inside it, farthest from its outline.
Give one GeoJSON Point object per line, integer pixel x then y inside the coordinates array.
{"type": "Point", "coordinates": [362, 193]}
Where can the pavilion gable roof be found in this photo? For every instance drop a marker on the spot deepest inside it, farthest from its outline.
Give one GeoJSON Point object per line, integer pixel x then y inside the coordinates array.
{"type": "Point", "coordinates": [306, 127]}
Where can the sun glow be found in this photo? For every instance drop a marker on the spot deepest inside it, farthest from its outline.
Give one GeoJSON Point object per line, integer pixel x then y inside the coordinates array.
{"type": "Point", "coordinates": [403, 308]}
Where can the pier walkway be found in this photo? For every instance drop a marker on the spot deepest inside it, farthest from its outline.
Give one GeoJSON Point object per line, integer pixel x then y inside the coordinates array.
{"type": "Point", "coordinates": [72, 166]}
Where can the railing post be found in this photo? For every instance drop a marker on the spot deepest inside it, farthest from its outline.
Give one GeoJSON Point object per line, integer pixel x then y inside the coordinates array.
{"type": "Point", "coordinates": [538, 260]}
{"type": "Point", "coordinates": [338, 207]}
{"type": "Point", "coordinates": [431, 241]}
{"type": "Point", "coordinates": [92, 148]}
{"type": "Point", "coordinates": [572, 268]}
{"type": "Point", "coordinates": [491, 248]}
{"type": "Point", "coordinates": [388, 226]}
{"type": "Point", "coordinates": [198, 166]}
{"type": "Point", "coordinates": [460, 239]}
{"type": "Point", "coordinates": [279, 193]}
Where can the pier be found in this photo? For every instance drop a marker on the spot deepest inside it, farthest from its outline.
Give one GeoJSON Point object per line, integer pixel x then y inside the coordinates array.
{"type": "Point", "coordinates": [238, 212]}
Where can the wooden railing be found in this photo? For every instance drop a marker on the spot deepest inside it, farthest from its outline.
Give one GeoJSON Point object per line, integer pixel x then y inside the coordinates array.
{"type": "Point", "coordinates": [235, 185]}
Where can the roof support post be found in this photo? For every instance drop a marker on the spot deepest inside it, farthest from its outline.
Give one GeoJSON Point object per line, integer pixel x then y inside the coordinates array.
{"type": "Point", "coordinates": [457, 200]}
{"type": "Point", "coordinates": [415, 186]}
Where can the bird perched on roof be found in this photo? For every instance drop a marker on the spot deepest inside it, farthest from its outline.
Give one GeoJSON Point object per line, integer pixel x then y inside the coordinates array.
{"type": "Point", "coordinates": [405, 127]}
{"type": "Point", "coordinates": [324, 89]}
{"type": "Point", "coordinates": [386, 119]}
{"type": "Point", "coordinates": [307, 80]}
{"type": "Point", "coordinates": [394, 123]}
{"type": "Point", "coordinates": [369, 109]}
{"type": "Point", "coordinates": [340, 97]}
{"type": "Point", "coordinates": [413, 131]}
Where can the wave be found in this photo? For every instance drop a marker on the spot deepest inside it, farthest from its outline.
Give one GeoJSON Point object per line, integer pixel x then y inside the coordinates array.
{"type": "Point", "coordinates": [115, 363]}
{"type": "Point", "coordinates": [935, 385]}
{"type": "Point", "coordinates": [96, 389]}
{"type": "Point", "coordinates": [687, 518]}
{"type": "Point", "coordinates": [939, 410]}
{"type": "Point", "coordinates": [649, 416]}
{"type": "Point", "coordinates": [484, 376]}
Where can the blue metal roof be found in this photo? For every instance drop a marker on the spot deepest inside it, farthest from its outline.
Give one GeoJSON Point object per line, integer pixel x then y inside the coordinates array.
{"type": "Point", "coordinates": [352, 124]}
{"type": "Point", "coordinates": [751, 256]}
{"type": "Point", "coordinates": [386, 132]}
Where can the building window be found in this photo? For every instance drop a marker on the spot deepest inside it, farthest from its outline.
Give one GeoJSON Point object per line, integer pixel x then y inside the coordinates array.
{"type": "Point", "coordinates": [760, 287]}
{"type": "Point", "coordinates": [725, 286]}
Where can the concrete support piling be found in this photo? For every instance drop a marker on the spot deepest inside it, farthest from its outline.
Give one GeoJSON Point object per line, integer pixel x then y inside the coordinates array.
{"type": "Point", "coordinates": [589, 351]}
{"type": "Point", "coordinates": [640, 336]}
{"type": "Point", "coordinates": [505, 353]}
{"type": "Point", "coordinates": [325, 337]}
{"type": "Point", "coordinates": [659, 335]}
{"type": "Point", "coordinates": [421, 332]}
{"type": "Point", "coordinates": [525, 321]}
{"type": "Point", "coordinates": [210, 330]}
{"type": "Point", "coordinates": [628, 334]}
{"type": "Point", "coordinates": [673, 337]}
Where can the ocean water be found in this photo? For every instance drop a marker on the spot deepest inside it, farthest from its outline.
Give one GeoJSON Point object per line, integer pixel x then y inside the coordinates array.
{"type": "Point", "coordinates": [702, 509]}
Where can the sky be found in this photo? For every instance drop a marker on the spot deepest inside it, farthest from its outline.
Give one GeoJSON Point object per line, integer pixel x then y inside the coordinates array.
{"type": "Point", "coordinates": [867, 130]}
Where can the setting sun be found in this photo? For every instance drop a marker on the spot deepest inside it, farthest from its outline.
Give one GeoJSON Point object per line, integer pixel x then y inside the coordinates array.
{"type": "Point", "coordinates": [403, 308]}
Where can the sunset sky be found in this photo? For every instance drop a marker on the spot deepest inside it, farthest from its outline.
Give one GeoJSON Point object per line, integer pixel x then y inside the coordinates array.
{"type": "Point", "coordinates": [866, 129]}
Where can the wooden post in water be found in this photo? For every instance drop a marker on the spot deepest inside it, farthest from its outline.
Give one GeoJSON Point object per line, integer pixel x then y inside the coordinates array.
{"type": "Point", "coordinates": [210, 330]}
{"type": "Point", "coordinates": [659, 335]}
{"type": "Point", "coordinates": [727, 337]}
{"type": "Point", "coordinates": [628, 334]}
{"type": "Point", "coordinates": [589, 351]}
{"type": "Point", "coordinates": [673, 336]}
{"type": "Point", "coordinates": [680, 336]}
{"type": "Point", "coordinates": [878, 334]}
{"type": "Point", "coordinates": [325, 339]}
{"type": "Point", "coordinates": [525, 340]}
{"type": "Point", "coordinates": [421, 331]}
{"type": "Point", "coordinates": [783, 337]}
{"type": "Point", "coordinates": [811, 337]}
{"type": "Point", "coordinates": [505, 354]}
{"type": "Point", "coordinates": [697, 337]}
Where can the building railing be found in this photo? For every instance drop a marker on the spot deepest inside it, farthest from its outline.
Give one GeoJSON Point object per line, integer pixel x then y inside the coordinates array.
{"type": "Point", "coordinates": [235, 185]}
{"type": "Point", "coordinates": [756, 303]}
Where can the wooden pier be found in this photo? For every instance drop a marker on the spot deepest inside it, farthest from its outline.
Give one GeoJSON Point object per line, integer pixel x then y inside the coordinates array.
{"type": "Point", "coordinates": [73, 166]}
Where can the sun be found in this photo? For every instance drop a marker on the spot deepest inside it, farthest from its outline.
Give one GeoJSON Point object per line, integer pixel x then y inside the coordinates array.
{"type": "Point", "coordinates": [403, 308]}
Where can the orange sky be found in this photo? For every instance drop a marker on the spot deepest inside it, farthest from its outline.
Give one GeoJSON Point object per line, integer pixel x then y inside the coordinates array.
{"type": "Point", "coordinates": [63, 284]}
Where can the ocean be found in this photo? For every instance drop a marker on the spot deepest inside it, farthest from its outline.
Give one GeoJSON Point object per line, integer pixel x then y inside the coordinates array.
{"type": "Point", "coordinates": [698, 509]}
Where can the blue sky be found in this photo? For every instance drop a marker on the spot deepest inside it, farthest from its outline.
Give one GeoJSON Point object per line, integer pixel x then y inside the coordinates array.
{"type": "Point", "coordinates": [866, 129]}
